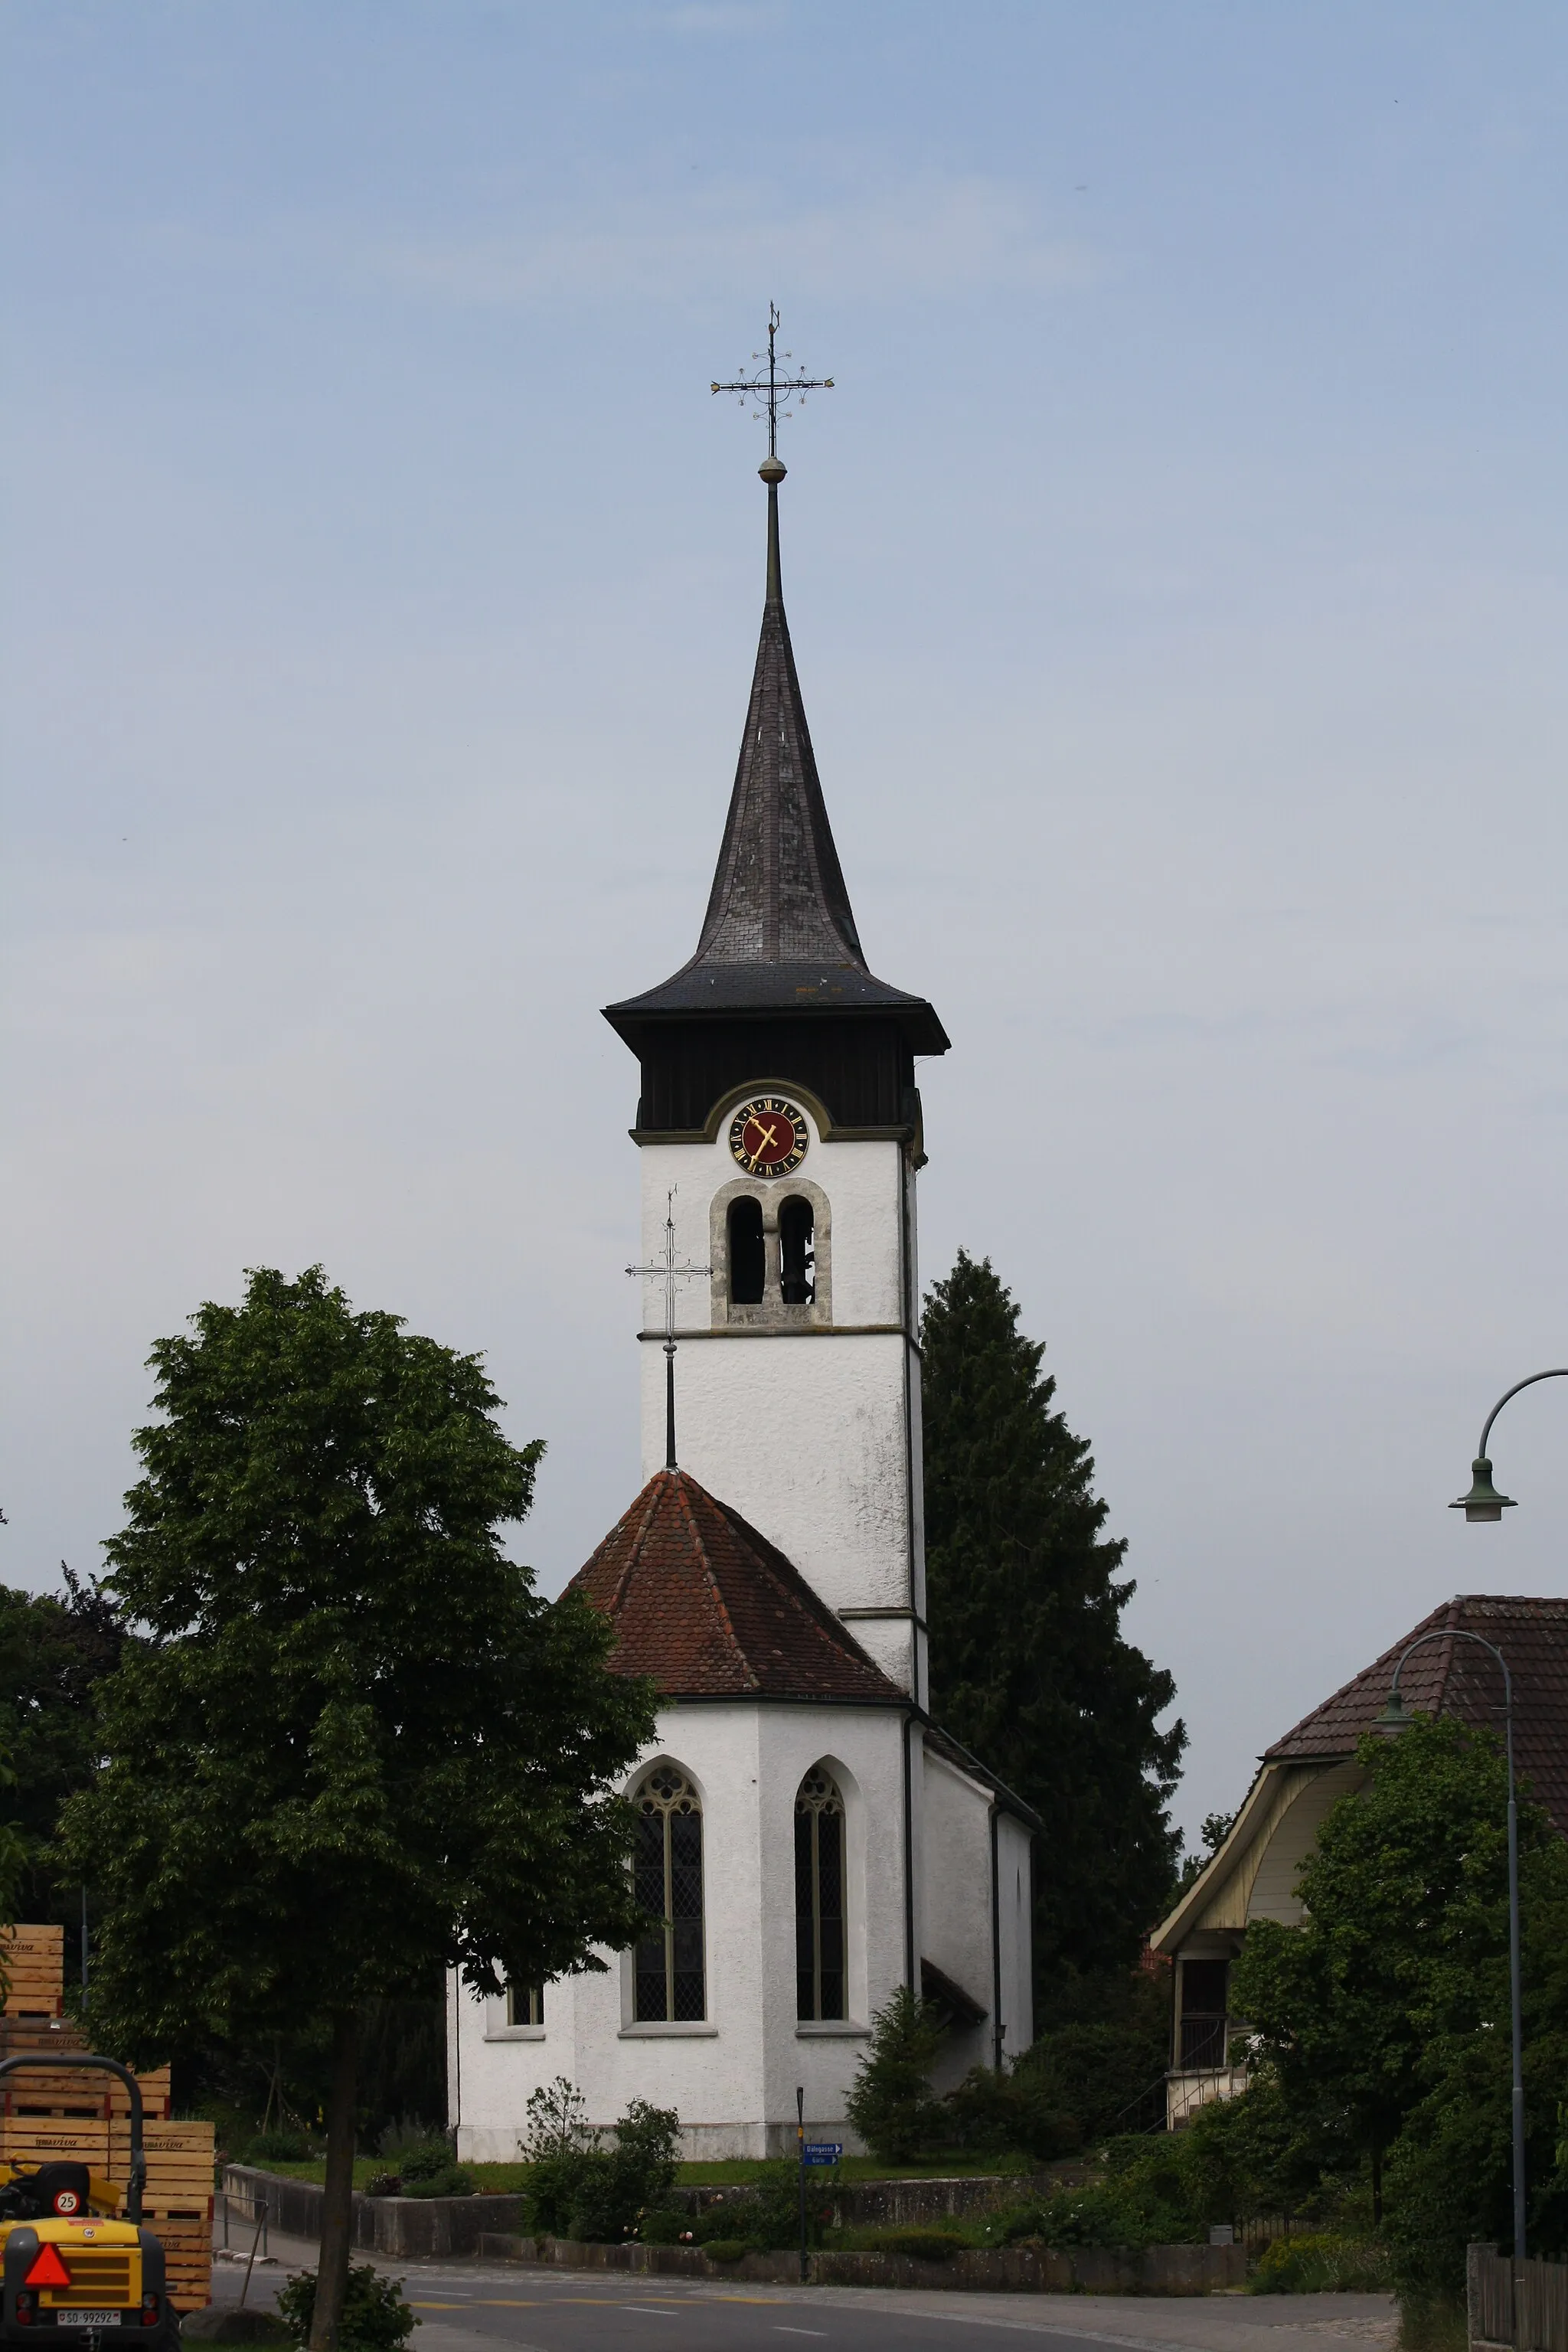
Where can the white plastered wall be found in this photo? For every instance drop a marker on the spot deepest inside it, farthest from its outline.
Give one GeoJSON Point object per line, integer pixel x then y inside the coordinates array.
{"type": "Point", "coordinates": [732, 2078]}
{"type": "Point", "coordinates": [955, 1904]}
{"type": "Point", "coordinates": [811, 1431]}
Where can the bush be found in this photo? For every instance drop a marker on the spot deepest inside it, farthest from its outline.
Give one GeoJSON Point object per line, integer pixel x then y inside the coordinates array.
{"type": "Point", "coordinates": [917, 2245]}
{"type": "Point", "coordinates": [602, 2194]}
{"type": "Point", "coordinates": [423, 2159]}
{"type": "Point", "coordinates": [662, 2225]}
{"type": "Point", "coordinates": [557, 2122]}
{"type": "Point", "coordinates": [279, 2148]}
{"type": "Point", "coordinates": [384, 2184]}
{"type": "Point", "coordinates": [376, 2317]}
{"type": "Point", "coordinates": [765, 2217]}
{"type": "Point", "coordinates": [455, 2181]}
{"type": "Point", "coordinates": [994, 2111]}
{"type": "Point", "coordinates": [1321, 2264]}
{"type": "Point", "coordinates": [725, 2250]}
{"type": "Point", "coordinates": [892, 2105]}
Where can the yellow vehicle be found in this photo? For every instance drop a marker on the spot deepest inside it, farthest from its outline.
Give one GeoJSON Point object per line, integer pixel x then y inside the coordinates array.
{"type": "Point", "coordinates": [67, 2263]}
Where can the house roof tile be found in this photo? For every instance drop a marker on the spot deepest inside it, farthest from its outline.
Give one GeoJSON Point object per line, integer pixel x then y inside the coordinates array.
{"type": "Point", "coordinates": [709, 1608]}
{"type": "Point", "coordinates": [1455, 1677]}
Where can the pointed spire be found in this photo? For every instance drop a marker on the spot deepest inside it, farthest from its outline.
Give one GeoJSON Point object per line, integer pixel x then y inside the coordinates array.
{"type": "Point", "coordinates": [779, 933]}
{"type": "Point", "coordinates": [778, 893]}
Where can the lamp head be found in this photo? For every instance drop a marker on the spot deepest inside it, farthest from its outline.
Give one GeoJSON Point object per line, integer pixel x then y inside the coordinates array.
{"type": "Point", "coordinates": [1483, 1501]}
{"type": "Point", "coordinates": [1395, 1716]}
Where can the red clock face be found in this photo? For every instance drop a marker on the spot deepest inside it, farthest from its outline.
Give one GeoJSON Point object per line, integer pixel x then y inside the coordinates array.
{"type": "Point", "coordinates": [768, 1136]}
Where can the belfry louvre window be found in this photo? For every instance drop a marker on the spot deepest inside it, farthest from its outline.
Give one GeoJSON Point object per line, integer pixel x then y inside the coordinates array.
{"type": "Point", "coordinates": [797, 1253]}
{"type": "Point", "coordinates": [819, 1896]}
{"type": "Point", "coordinates": [667, 1875]}
{"type": "Point", "coordinates": [748, 1257]}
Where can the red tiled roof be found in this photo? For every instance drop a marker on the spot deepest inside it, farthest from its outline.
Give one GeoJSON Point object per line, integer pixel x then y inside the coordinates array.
{"type": "Point", "coordinates": [1455, 1677]}
{"type": "Point", "coordinates": [710, 1610]}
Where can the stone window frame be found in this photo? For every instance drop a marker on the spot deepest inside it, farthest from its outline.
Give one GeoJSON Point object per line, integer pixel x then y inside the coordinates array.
{"type": "Point", "coordinates": [816, 1804]}
{"type": "Point", "coordinates": [771, 1314]}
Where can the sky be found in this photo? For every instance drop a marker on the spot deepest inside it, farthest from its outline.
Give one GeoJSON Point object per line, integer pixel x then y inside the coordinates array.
{"type": "Point", "coordinates": [1176, 575]}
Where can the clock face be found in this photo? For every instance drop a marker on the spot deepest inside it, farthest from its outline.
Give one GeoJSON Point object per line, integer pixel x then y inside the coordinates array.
{"type": "Point", "coordinates": [769, 1135]}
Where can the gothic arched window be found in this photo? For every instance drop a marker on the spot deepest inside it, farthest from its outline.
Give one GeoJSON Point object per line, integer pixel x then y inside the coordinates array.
{"type": "Point", "coordinates": [748, 1256]}
{"type": "Point", "coordinates": [819, 1896]}
{"type": "Point", "coordinates": [667, 1875]}
{"type": "Point", "coordinates": [797, 1253]}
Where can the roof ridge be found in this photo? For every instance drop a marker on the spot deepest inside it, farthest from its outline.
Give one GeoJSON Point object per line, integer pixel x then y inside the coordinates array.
{"type": "Point", "coordinates": [705, 1557]}
{"type": "Point", "coordinates": [634, 1552]}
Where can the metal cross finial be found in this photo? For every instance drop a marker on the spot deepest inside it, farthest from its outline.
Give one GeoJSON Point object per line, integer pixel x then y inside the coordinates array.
{"type": "Point", "coordinates": [668, 1272]}
{"type": "Point", "coordinates": [772, 391]}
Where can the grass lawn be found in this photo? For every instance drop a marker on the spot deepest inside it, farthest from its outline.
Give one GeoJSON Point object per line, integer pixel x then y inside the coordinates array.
{"type": "Point", "coordinates": [506, 2179]}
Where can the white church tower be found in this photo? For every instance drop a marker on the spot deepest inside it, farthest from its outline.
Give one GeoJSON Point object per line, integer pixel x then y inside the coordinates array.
{"type": "Point", "coordinates": [779, 1105]}
{"type": "Point", "coordinates": [809, 1838]}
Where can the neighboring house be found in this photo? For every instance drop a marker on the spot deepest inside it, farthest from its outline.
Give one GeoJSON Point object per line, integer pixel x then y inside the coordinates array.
{"type": "Point", "coordinates": [1252, 1873]}
{"type": "Point", "coordinates": [807, 1838]}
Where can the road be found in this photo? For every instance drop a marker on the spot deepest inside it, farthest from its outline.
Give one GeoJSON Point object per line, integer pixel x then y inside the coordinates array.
{"type": "Point", "coordinates": [469, 2307]}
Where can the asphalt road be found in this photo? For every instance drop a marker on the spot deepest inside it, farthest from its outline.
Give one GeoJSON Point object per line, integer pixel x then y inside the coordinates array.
{"type": "Point", "coordinates": [469, 2307]}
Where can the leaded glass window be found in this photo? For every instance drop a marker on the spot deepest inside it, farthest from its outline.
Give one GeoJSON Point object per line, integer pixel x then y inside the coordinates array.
{"type": "Point", "coordinates": [525, 2004]}
{"type": "Point", "coordinates": [819, 1896]}
{"type": "Point", "coordinates": [667, 1872]}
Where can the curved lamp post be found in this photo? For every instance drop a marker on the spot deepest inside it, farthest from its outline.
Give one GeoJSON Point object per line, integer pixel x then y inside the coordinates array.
{"type": "Point", "coordinates": [1393, 1720]}
{"type": "Point", "coordinates": [1483, 1501]}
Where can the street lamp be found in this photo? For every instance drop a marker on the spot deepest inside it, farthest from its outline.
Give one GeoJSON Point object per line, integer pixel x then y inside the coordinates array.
{"type": "Point", "coordinates": [1395, 1720]}
{"type": "Point", "coordinates": [1483, 1502]}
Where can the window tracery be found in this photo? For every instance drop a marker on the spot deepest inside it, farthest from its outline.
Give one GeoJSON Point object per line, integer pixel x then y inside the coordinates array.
{"type": "Point", "coordinates": [819, 1922]}
{"type": "Point", "coordinates": [667, 1968]}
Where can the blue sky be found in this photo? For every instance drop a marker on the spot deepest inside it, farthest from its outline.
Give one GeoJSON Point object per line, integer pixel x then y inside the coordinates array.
{"type": "Point", "coordinates": [1178, 578]}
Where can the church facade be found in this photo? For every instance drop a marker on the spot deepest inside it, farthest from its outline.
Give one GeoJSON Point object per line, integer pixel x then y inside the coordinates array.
{"type": "Point", "coordinates": [808, 1836]}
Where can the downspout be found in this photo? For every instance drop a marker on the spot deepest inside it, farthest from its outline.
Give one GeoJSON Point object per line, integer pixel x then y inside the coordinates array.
{"type": "Point", "coordinates": [908, 1864]}
{"type": "Point", "coordinates": [997, 2028]}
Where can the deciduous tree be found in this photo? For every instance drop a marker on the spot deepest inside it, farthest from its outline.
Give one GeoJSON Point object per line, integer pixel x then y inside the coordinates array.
{"type": "Point", "coordinates": [358, 1744]}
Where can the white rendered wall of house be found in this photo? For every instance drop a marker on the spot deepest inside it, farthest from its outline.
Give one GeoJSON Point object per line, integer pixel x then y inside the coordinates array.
{"type": "Point", "coordinates": [811, 1433]}
{"type": "Point", "coordinates": [955, 1905]}
{"type": "Point", "coordinates": [1014, 1909]}
{"type": "Point", "coordinates": [733, 2084]}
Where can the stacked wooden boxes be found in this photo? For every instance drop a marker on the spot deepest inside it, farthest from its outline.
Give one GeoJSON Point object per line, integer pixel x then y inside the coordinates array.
{"type": "Point", "coordinates": [82, 2114]}
{"type": "Point", "coordinates": [33, 1961]}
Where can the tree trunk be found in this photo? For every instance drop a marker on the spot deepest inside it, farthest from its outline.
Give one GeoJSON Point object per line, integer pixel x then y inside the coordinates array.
{"type": "Point", "coordinates": [337, 2202]}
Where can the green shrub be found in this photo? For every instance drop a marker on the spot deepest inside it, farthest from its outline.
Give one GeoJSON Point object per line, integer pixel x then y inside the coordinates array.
{"type": "Point", "coordinates": [601, 2194]}
{"type": "Point", "coordinates": [918, 2245]}
{"type": "Point", "coordinates": [424, 2159]}
{"type": "Point", "coordinates": [376, 2317]}
{"type": "Point", "coordinates": [452, 2182]}
{"type": "Point", "coordinates": [726, 2250]}
{"type": "Point", "coordinates": [279, 2148]}
{"type": "Point", "coordinates": [995, 2111]}
{"type": "Point", "coordinates": [766, 2215]}
{"type": "Point", "coordinates": [1321, 2264]}
{"type": "Point", "coordinates": [891, 2105]}
{"type": "Point", "coordinates": [662, 2225]}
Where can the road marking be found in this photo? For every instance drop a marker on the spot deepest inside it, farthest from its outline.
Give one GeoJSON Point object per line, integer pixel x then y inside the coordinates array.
{"type": "Point", "coordinates": [780, 2329]}
{"type": "Point", "coordinates": [649, 2310]}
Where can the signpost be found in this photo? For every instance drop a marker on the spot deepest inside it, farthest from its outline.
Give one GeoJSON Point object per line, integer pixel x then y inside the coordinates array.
{"type": "Point", "coordinates": [800, 2143]}
{"type": "Point", "coordinates": [822, 2151]}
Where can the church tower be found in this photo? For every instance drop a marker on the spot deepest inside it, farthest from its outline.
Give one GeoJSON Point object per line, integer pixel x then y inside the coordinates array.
{"type": "Point", "coordinates": [779, 1107]}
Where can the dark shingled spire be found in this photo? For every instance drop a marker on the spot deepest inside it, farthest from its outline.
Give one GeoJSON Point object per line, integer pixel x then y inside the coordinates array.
{"type": "Point", "coordinates": [779, 934]}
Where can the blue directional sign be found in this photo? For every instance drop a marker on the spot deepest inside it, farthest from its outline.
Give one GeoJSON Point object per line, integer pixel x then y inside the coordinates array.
{"type": "Point", "coordinates": [822, 2151]}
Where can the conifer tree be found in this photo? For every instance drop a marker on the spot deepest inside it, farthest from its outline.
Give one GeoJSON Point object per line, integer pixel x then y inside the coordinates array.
{"type": "Point", "coordinates": [1028, 1665]}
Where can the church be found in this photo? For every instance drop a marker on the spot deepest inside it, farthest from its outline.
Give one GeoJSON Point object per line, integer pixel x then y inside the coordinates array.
{"type": "Point", "coordinates": [809, 1838]}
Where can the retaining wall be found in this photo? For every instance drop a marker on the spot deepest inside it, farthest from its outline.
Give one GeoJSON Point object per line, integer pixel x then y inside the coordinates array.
{"type": "Point", "coordinates": [1027, 2270]}
{"type": "Point", "coordinates": [403, 2227]}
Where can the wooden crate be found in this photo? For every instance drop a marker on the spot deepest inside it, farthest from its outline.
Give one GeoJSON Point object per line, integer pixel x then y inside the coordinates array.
{"type": "Point", "coordinates": [21, 2036]}
{"type": "Point", "coordinates": [180, 2159]}
{"type": "Point", "coordinates": [32, 1959]}
{"type": "Point", "coordinates": [81, 2091]}
{"type": "Point", "coordinates": [44, 2139]}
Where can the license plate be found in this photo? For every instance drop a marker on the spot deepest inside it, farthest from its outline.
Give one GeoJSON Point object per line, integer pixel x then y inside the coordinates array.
{"type": "Point", "coordinates": [74, 2318]}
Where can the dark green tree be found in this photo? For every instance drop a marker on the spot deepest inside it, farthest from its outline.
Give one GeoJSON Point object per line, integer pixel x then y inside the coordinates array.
{"type": "Point", "coordinates": [357, 1746]}
{"type": "Point", "coordinates": [54, 1650]}
{"type": "Point", "coordinates": [1028, 1664]}
{"type": "Point", "coordinates": [1384, 2018]}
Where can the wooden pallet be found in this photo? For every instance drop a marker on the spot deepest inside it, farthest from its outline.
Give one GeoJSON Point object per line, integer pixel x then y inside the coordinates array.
{"type": "Point", "coordinates": [21, 2036]}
